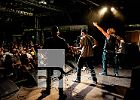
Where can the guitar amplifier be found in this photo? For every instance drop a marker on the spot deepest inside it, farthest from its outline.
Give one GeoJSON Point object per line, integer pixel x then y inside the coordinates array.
{"type": "Point", "coordinates": [7, 87]}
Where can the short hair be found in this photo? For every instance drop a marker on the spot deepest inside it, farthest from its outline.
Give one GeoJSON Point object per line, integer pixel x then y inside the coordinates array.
{"type": "Point", "coordinates": [84, 30]}
{"type": "Point", "coordinates": [112, 30]}
{"type": "Point", "coordinates": [55, 29]}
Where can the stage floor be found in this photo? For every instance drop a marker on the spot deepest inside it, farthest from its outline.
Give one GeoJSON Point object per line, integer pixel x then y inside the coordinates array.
{"type": "Point", "coordinates": [108, 87]}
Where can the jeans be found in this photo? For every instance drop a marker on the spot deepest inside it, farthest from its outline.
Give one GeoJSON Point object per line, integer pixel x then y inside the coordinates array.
{"type": "Point", "coordinates": [89, 62]}
{"type": "Point", "coordinates": [111, 59]}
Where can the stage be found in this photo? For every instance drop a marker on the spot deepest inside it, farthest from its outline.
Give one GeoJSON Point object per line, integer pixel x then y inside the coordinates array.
{"type": "Point", "coordinates": [108, 87]}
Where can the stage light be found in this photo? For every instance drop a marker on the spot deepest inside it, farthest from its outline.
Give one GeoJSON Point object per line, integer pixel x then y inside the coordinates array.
{"type": "Point", "coordinates": [116, 13]}
{"type": "Point", "coordinates": [103, 11]}
{"type": "Point", "coordinates": [112, 9]}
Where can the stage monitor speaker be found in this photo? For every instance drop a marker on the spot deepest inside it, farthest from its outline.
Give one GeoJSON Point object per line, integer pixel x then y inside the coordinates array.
{"type": "Point", "coordinates": [132, 92]}
{"type": "Point", "coordinates": [7, 87]}
{"type": "Point", "coordinates": [135, 78]}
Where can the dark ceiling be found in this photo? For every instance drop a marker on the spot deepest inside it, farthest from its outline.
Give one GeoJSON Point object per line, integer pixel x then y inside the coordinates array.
{"type": "Point", "coordinates": [64, 11]}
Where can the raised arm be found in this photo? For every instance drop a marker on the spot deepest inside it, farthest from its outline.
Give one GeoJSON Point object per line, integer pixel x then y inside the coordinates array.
{"type": "Point", "coordinates": [101, 29]}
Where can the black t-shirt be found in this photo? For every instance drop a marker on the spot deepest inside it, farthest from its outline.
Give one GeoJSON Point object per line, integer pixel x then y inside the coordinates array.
{"type": "Point", "coordinates": [55, 43]}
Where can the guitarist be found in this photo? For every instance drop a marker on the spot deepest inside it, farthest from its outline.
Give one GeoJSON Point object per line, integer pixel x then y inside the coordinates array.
{"type": "Point", "coordinates": [86, 56]}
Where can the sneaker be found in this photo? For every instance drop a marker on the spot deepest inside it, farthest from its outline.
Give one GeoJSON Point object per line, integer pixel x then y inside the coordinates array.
{"type": "Point", "coordinates": [95, 79]}
{"type": "Point", "coordinates": [103, 73]}
{"type": "Point", "coordinates": [116, 74]}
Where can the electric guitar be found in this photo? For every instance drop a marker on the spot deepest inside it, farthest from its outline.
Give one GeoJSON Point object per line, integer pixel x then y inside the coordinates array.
{"type": "Point", "coordinates": [73, 51]}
